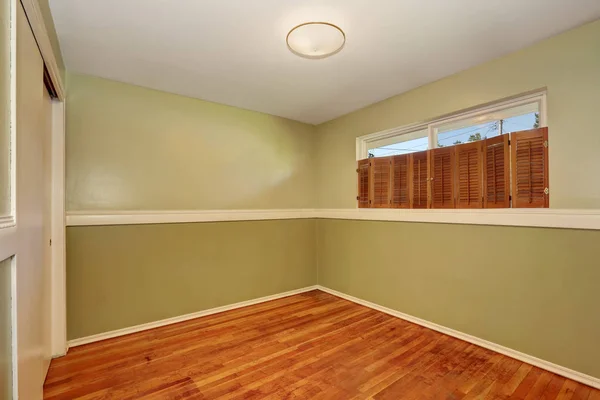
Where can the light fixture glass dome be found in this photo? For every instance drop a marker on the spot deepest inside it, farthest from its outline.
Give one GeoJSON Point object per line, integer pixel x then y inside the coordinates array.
{"type": "Point", "coordinates": [316, 39]}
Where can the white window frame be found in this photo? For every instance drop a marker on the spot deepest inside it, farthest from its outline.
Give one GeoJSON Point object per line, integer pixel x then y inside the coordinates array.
{"type": "Point", "coordinates": [432, 126]}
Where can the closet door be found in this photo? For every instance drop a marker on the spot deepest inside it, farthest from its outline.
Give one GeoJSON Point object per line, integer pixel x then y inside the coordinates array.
{"type": "Point", "coordinates": [45, 130]}
{"type": "Point", "coordinates": [33, 136]}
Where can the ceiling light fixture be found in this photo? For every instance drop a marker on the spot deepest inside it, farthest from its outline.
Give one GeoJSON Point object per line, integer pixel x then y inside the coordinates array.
{"type": "Point", "coordinates": [316, 40]}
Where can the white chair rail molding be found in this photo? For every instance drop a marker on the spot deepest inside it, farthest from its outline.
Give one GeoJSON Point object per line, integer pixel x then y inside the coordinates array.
{"type": "Point", "coordinates": [549, 218]}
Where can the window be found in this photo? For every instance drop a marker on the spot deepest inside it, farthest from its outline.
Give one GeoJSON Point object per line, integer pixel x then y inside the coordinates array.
{"type": "Point", "coordinates": [401, 144]}
{"type": "Point", "coordinates": [494, 157]}
{"type": "Point", "coordinates": [488, 125]}
{"type": "Point", "coordinates": [5, 94]}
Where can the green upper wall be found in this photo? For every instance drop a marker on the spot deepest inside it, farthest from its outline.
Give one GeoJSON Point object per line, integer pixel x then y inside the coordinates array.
{"type": "Point", "coordinates": [567, 65]}
{"type": "Point", "coordinates": [134, 148]}
{"type": "Point", "coordinates": [131, 148]}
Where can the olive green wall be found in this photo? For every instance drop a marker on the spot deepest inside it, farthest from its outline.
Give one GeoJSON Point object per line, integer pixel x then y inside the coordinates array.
{"type": "Point", "coordinates": [132, 148]}
{"type": "Point", "coordinates": [121, 276]}
{"type": "Point", "coordinates": [529, 289]}
{"type": "Point", "coordinates": [5, 331]}
{"type": "Point", "coordinates": [567, 65]}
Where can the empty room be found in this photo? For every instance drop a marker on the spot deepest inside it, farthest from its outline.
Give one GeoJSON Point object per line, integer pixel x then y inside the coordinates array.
{"type": "Point", "coordinates": [307, 199]}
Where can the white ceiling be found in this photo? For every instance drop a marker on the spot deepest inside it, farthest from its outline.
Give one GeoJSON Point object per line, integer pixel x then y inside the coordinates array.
{"type": "Point", "coordinates": [234, 51]}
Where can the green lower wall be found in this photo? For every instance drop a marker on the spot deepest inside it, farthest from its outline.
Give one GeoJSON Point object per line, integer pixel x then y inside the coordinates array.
{"type": "Point", "coordinates": [529, 289]}
{"type": "Point", "coordinates": [121, 276]}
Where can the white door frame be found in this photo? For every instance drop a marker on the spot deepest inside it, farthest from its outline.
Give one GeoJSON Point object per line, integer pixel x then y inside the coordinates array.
{"type": "Point", "coordinates": [58, 279]}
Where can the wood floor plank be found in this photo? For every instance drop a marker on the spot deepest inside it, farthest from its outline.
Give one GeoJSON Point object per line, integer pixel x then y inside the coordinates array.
{"type": "Point", "coordinates": [308, 346]}
{"type": "Point", "coordinates": [581, 393]}
{"type": "Point", "coordinates": [540, 386]}
{"type": "Point", "coordinates": [553, 388]}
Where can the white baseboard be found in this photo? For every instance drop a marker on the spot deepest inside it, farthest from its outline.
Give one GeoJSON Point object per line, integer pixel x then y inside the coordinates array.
{"type": "Point", "coordinates": [557, 369]}
{"type": "Point", "coordinates": [174, 320]}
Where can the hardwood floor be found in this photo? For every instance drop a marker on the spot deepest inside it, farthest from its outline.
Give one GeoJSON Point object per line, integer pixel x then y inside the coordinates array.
{"type": "Point", "coordinates": [309, 346]}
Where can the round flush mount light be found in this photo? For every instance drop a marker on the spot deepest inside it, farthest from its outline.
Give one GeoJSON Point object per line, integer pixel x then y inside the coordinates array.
{"type": "Point", "coordinates": [316, 40]}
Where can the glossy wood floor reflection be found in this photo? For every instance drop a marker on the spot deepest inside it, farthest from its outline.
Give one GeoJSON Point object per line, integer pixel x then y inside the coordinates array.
{"type": "Point", "coordinates": [308, 346]}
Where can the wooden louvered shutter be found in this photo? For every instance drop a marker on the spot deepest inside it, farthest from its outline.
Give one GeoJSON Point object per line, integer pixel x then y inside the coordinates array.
{"type": "Point", "coordinates": [469, 175]}
{"type": "Point", "coordinates": [529, 161]}
{"type": "Point", "coordinates": [400, 181]}
{"type": "Point", "coordinates": [496, 174]}
{"type": "Point", "coordinates": [363, 172]}
{"type": "Point", "coordinates": [381, 171]}
{"type": "Point", "coordinates": [419, 173]}
{"type": "Point", "coordinates": [442, 177]}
